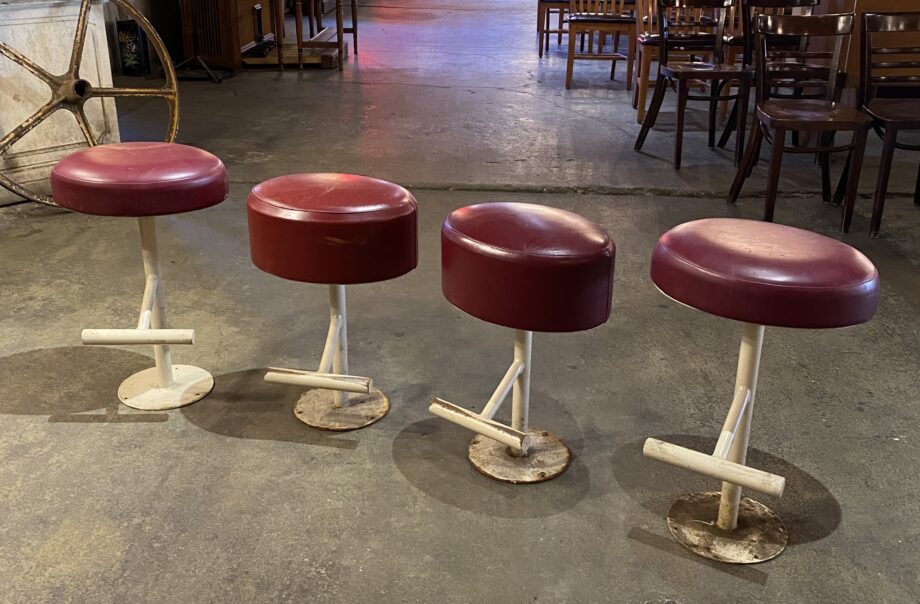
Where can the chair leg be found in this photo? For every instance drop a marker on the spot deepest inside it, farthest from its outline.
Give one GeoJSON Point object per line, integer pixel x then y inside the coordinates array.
{"type": "Point", "coordinates": [340, 32]}
{"type": "Point", "coordinates": [354, 24]}
{"type": "Point", "coordinates": [714, 88]}
{"type": "Point", "coordinates": [645, 69]}
{"type": "Point", "coordinates": [298, 27]}
{"type": "Point", "coordinates": [744, 92]}
{"type": "Point", "coordinates": [881, 187]}
{"type": "Point", "coordinates": [825, 140]}
{"type": "Point", "coordinates": [683, 91]}
{"type": "Point", "coordinates": [917, 189]}
{"type": "Point", "coordinates": [570, 61]}
{"type": "Point", "coordinates": [859, 148]}
{"type": "Point", "coordinates": [744, 170]}
{"type": "Point", "coordinates": [730, 126]}
{"type": "Point", "coordinates": [776, 164]}
{"type": "Point", "coordinates": [630, 59]}
{"type": "Point", "coordinates": [558, 28]}
{"type": "Point", "coordinates": [652, 116]}
{"type": "Point", "coordinates": [542, 20]}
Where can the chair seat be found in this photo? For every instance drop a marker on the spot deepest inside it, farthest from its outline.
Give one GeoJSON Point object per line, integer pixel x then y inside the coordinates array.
{"type": "Point", "coordinates": [699, 69]}
{"type": "Point", "coordinates": [332, 228]}
{"type": "Point", "coordinates": [527, 267]}
{"type": "Point", "coordinates": [765, 274]}
{"type": "Point", "coordinates": [138, 179]}
{"type": "Point", "coordinates": [811, 114]}
{"type": "Point", "coordinates": [903, 112]}
{"type": "Point", "coordinates": [580, 18]}
{"type": "Point", "coordinates": [678, 41]}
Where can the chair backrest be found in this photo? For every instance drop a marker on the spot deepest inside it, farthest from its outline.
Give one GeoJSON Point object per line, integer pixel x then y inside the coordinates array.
{"type": "Point", "coordinates": [597, 7]}
{"type": "Point", "coordinates": [678, 18]}
{"type": "Point", "coordinates": [647, 17]}
{"type": "Point", "coordinates": [800, 68]}
{"type": "Point", "coordinates": [885, 69]}
{"type": "Point", "coordinates": [752, 8]}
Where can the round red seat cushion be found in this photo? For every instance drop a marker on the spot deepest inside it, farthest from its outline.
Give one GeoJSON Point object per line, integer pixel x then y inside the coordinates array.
{"type": "Point", "coordinates": [766, 274]}
{"type": "Point", "coordinates": [527, 266]}
{"type": "Point", "coordinates": [138, 179]}
{"type": "Point", "coordinates": [333, 228]}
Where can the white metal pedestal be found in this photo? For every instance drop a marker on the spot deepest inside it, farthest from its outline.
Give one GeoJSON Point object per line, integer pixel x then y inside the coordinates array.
{"type": "Point", "coordinates": [165, 386]}
{"type": "Point", "coordinates": [337, 401]}
{"type": "Point", "coordinates": [721, 525]}
{"type": "Point", "coordinates": [517, 453]}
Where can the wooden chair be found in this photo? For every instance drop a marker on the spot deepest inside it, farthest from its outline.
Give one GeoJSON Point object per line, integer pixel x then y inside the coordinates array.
{"type": "Point", "coordinates": [681, 74]}
{"type": "Point", "coordinates": [546, 9]}
{"type": "Point", "coordinates": [691, 32]}
{"type": "Point", "coordinates": [604, 17]}
{"type": "Point", "coordinates": [784, 70]}
{"type": "Point", "coordinates": [317, 37]}
{"type": "Point", "coordinates": [890, 93]}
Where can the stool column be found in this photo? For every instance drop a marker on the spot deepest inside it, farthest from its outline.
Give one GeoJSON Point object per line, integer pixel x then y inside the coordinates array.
{"type": "Point", "coordinates": [151, 257]}
{"type": "Point", "coordinates": [338, 313]}
{"type": "Point", "coordinates": [520, 401]}
{"type": "Point", "coordinates": [745, 380]}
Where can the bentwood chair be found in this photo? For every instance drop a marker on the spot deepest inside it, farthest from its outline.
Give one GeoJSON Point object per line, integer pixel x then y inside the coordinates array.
{"type": "Point", "coordinates": [682, 74]}
{"type": "Point", "coordinates": [603, 17]}
{"type": "Point", "coordinates": [691, 35]}
{"type": "Point", "coordinates": [890, 92]}
{"type": "Point", "coordinates": [821, 117]}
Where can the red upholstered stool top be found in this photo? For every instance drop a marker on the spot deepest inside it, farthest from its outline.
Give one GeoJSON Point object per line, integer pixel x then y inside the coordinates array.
{"type": "Point", "coordinates": [528, 267]}
{"type": "Point", "coordinates": [766, 274]}
{"type": "Point", "coordinates": [138, 179]}
{"type": "Point", "coordinates": [333, 228]}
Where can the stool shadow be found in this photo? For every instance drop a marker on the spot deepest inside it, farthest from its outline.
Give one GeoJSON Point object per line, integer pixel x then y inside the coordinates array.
{"type": "Point", "coordinates": [669, 546]}
{"type": "Point", "coordinates": [243, 405]}
{"type": "Point", "coordinates": [67, 383]}
{"type": "Point", "coordinates": [808, 509]}
{"type": "Point", "coordinates": [432, 455]}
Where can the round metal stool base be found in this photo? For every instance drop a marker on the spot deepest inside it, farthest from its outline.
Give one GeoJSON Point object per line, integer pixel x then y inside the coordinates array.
{"type": "Point", "coordinates": [547, 458]}
{"type": "Point", "coordinates": [760, 535]}
{"type": "Point", "coordinates": [141, 390]}
{"type": "Point", "coordinates": [317, 409]}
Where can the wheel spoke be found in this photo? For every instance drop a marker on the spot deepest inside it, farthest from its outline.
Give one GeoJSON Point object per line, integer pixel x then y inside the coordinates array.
{"type": "Point", "coordinates": [85, 127]}
{"type": "Point", "coordinates": [165, 93]}
{"type": "Point", "coordinates": [15, 56]}
{"type": "Point", "coordinates": [79, 39]}
{"type": "Point", "coordinates": [22, 129]}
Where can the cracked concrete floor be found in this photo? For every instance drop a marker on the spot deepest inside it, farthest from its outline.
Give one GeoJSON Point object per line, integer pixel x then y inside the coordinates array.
{"type": "Point", "coordinates": [232, 499]}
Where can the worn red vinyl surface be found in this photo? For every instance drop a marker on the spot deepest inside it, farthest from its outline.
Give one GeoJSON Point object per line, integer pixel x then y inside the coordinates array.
{"type": "Point", "coordinates": [765, 273]}
{"type": "Point", "coordinates": [527, 266]}
{"type": "Point", "coordinates": [333, 228]}
{"type": "Point", "coordinates": [138, 179]}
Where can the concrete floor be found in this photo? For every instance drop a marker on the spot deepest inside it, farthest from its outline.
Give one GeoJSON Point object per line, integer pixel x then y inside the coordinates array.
{"type": "Point", "coordinates": [232, 499]}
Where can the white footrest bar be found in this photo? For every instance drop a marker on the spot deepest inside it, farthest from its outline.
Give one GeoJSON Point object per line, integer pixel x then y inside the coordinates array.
{"type": "Point", "coordinates": [475, 422]}
{"type": "Point", "coordinates": [724, 470]}
{"type": "Point", "coordinates": [138, 336]}
{"type": "Point", "coordinates": [315, 379]}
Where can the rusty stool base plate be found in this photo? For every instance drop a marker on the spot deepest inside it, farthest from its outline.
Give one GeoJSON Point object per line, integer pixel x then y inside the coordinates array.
{"type": "Point", "coordinates": [547, 458]}
{"type": "Point", "coordinates": [190, 384]}
{"type": "Point", "coordinates": [317, 409]}
{"type": "Point", "coordinates": [760, 535]}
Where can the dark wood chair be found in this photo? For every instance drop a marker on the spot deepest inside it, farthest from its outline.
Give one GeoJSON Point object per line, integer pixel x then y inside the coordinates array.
{"type": "Point", "coordinates": [681, 74]}
{"type": "Point", "coordinates": [603, 17]}
{"type": "Point", "coordinates": [740, 39]}
{"type": "Point", "coordinates": [821, 117]}
{"type": "Point", "coordinates": [890, 92]}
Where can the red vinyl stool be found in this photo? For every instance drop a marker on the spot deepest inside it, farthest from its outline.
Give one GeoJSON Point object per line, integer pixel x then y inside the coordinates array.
{"type": "Point", "coordinates": [145, 180]}
{"type": "Point", "coordinates": [530, 268]}
{"type": "Point", "coordinates": [335, 229]}
{"type": "Point", "coordinates": [760, 274]}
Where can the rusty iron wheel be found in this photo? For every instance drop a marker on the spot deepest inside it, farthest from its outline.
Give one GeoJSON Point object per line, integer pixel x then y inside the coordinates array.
{"type": "Point", "coordinates": [71, 92]}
